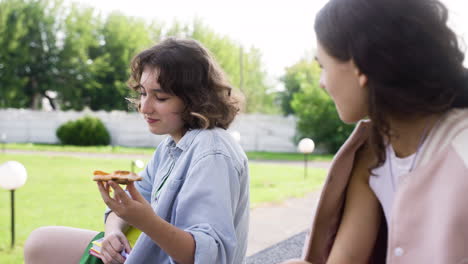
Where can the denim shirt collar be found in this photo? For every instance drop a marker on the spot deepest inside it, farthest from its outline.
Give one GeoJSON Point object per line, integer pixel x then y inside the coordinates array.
{"type": "Point", "coordinates": [184, 143]}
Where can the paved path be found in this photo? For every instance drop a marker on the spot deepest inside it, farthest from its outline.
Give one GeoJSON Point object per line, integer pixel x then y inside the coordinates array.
{"type": "Point", "coordinates": [290, 248]}
{"type": "Point", "coordinates": [272, 224]}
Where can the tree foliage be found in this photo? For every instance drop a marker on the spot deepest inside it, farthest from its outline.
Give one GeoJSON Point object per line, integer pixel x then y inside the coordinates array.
{"type": "Point", "coordinates": [315, 110]}
{"type": "Point", "coordinates": [29, 51]}
{"type": "Point", "coordinates": [297, 74]}
{"type": "Point", "coordinates": [85, 57]}
{"type": "Point", "coordinates": [80, 58]}
{"type": "Point", "coordinates": [244, 68]}
{"type": "Point", "coordinates": [95, 58]}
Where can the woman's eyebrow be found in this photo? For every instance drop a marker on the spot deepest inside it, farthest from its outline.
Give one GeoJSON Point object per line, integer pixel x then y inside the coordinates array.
{"type": "Point", "coordinates": [156, 90]}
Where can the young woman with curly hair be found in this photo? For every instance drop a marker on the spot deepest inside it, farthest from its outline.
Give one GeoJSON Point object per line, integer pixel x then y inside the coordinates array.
{"type": "Point", "coordinates": [192, 205]}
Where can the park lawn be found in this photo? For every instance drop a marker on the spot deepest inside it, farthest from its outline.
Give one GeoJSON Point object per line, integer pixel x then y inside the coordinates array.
{"type": "Point", "coordinates": [59, 191]}
{"type": "Point", "coordinates": [252, 155]}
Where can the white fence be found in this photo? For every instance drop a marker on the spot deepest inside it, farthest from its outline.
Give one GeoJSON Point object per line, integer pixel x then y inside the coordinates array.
{"type": "Point", "coordinates": [258, 132]}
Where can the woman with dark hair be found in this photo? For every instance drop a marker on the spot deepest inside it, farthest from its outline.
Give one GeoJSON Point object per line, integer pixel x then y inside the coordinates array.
{"type": "Point", "coordinates": [192, 205]}
{"type": "Point", "coordinates": [395, 192]}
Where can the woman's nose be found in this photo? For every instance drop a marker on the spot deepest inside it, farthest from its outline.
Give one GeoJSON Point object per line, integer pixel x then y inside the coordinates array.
{"type": "Point", "coordinates": [145, 106]}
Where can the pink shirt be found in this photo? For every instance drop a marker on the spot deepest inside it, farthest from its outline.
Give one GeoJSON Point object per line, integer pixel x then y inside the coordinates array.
{"type": "Point", "coordinates": [429, 222]}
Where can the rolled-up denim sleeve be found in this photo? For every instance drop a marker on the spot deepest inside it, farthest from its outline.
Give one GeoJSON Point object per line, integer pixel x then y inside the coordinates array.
{"type": "Point", "coordinates": [206, 207]}
{"type": "Point", "coordinates": [145, 185]}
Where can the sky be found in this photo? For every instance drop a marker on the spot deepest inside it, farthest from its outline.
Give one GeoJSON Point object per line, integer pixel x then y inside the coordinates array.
{"type": "Point", "coordinates": [282, 30]}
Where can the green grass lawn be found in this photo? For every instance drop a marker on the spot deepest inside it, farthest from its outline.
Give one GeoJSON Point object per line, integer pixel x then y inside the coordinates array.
{"type": "Point", "coordinates": [59, 191]}
{"type": "Point", "coordinates": [252, 155]}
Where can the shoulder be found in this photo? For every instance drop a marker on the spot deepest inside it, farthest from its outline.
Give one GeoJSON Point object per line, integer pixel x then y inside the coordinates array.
{"type": "Point", "coordinates": [460, 145]}
{"type": "Point", "coordinates": [358, 137]}
{"type": "Point", "coordinates": [452, 131]}
{"type": "Point", "coordinates": [451, 128]}
{"type": "Point", "coordinates": [217, 141]}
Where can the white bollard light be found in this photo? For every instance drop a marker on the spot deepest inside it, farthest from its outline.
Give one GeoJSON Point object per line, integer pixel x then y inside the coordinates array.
{"type": "Point", "coordinates": [306, 146]}
{"type": "Point", "coordinates": [137, 163]}
{"type": "Point", "coordinates": [236, 135]}
{"type": "Point", "coordinates": [12, 176]}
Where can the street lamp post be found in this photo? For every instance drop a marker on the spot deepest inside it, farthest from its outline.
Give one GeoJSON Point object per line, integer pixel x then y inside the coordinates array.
{"type": "Point", "coordinates": [12, 176]}
{"type": "Point", "coordinates": [306, 146]}
{"type": "Point", "coordinates": [12, 196]}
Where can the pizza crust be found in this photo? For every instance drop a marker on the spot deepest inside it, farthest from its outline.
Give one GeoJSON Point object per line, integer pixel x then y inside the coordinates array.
{"type": "Point", "coordinates": [119, 176]}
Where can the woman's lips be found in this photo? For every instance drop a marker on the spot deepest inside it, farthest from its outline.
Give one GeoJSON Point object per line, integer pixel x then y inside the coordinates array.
{"type": "Point", "coordinates": [151, 121]}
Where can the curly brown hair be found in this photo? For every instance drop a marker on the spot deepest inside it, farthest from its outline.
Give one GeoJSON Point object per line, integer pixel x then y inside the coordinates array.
{"type": "Point", "coordinates": [187, 70]}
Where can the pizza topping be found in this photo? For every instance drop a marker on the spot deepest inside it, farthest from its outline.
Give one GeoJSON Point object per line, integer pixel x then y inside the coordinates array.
{"type": "Point", "coordinates": [119, 176]}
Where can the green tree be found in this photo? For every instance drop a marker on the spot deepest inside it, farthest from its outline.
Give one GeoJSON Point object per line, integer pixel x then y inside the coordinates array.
{"type": "Point", "coordinates": [85, 58]}
{"type": "Point", "coordinates": [315, 110]}
{"type": "Point", "coordinates": [122, 38]}
{"type": "Point", "coordinates": [244, 69]}
{"type": "Point", "coordinates": [29, 52]}
{"type": "Point", "coordinates": [302, 71]}
{"type": "Point", "coordinates": [259, 95]}
{"type": "Point", "coordinates": [79, 57]}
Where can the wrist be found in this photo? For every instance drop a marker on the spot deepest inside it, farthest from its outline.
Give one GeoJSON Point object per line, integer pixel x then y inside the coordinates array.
{"type": "Point", "coordinates": [115, 224]}
{"type": "Point", "coordinates": [112, 229]}
{"type": "Point", "coordinates": [152, 223]}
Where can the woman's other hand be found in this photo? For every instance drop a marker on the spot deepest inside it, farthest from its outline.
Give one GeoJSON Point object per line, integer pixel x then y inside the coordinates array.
{"type": "Point", "coordinates": [112, 246]}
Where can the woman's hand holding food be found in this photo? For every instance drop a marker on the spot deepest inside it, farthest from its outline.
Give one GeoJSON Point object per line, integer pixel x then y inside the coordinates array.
{"type": "Point", "coordinates": [134, 210]}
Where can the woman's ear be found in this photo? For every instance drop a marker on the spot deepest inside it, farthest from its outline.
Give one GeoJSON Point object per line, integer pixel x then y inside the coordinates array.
{"type": "Point", "coordinates": [362, 78]}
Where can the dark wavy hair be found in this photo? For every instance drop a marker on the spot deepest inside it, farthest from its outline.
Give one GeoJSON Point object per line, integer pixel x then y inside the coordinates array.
{"type": "Point", "coordinates": [412, 59]}
{"type": "Point", "coordinates": [186, 69]}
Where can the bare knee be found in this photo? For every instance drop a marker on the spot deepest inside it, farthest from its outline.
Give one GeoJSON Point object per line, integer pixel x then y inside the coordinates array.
{"type": "Point", "coordinates": [56, 244]}
{"type": "Point", "coordinates": [34, 244]}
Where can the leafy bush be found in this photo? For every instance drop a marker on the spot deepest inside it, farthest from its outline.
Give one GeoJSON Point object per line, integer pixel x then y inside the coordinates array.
{"type": "Point", "coordinates": [301, 72]}
{"type": "Point", "coordinates": [315, 110]}
{"type": "Point", "coordinates": [86, 131]}
{"type": "Point", "coordinates": [319, 120]}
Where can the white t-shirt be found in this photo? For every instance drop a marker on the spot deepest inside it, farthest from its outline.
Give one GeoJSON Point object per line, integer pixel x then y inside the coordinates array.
{"type": "Point", "coordinates": [381, 181]}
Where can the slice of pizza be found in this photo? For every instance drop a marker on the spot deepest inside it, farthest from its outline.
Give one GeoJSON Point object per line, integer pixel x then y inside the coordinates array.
{"type": "Point", "coordinates": [124, 177]}
{"type": "Point", "coordinates": [101, 176]}
{"type": "Point", "coordinates": [119, 176]}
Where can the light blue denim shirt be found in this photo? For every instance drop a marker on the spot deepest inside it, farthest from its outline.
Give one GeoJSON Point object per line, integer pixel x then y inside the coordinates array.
{"type": "Point", "coordinates": [206, 194]}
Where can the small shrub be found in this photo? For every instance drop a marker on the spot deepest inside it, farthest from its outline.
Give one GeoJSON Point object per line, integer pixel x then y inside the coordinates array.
{"type": "Point", "coordinates": [86, 131]}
